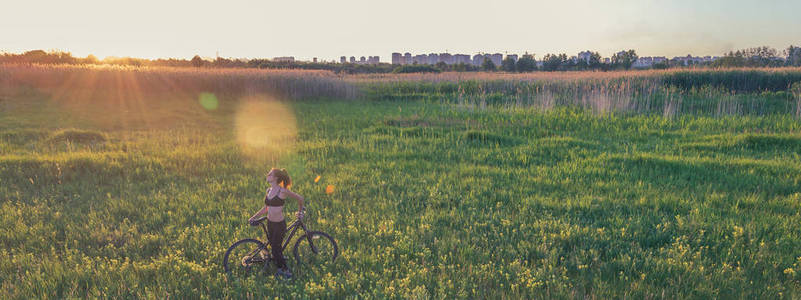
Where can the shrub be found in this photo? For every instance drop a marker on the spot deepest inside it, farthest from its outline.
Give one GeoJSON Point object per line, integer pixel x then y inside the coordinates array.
{"type": "Point", "coordinates": [77, 136]}
{"type": "Point", "coordinates": [484, 137]}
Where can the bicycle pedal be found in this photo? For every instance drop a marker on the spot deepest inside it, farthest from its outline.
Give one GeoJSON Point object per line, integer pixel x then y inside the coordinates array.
{"type": "Point", "coordinates": [285, 275]}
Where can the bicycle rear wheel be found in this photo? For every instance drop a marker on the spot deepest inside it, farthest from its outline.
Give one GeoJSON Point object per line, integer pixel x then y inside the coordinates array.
{"type": "Point", "coordinates": [244, 257]}
{"type": "Point", "coordinates": [315, 247]}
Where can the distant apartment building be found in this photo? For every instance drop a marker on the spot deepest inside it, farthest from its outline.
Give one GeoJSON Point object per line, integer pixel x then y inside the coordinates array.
{"type": "Point", "coordinates": [586, 56]}
{"type": "Point", "coordinates": [362, 60]}
{"type": "Point", "coordinates": [648, 62]}
{"type": "Point", "coordinates": [461, 59]}
{"type": "Point", "coordinates": [446, 58]}
{"type": "Point", "coordinates": [478, 59]}
{"type": "Point", "coordinates": [680, 60]}
{"type": "Point", "coordinates": [690, 60]}
{"type": "Point", "coordinates": [496, 58]}
{"type": "Point", "coordinates": [643, 62]}
{"type": "Point", "coordinates": [433, 58]}
{"type": "Point", "coordinates": [284, 59]}
{"type": "Point", "coordinates": [491, 57]}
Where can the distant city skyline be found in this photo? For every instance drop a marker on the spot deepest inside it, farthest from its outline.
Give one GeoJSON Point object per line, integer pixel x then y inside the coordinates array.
{"type": "Point", "coordinates": [328, 30]}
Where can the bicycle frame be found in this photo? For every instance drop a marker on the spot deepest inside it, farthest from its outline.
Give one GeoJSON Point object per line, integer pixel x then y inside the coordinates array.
{"type": "Point", "coordinates": [291, 229]}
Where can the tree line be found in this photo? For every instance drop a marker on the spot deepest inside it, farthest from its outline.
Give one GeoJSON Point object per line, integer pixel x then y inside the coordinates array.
{"type": "Point", "coordinates": [761, 57]}
{"type": "Point", "coordinates": [60, 57]}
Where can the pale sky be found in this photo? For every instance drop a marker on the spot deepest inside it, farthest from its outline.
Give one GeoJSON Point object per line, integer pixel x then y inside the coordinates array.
{"type": "Point", "coordinates": [329, 29]}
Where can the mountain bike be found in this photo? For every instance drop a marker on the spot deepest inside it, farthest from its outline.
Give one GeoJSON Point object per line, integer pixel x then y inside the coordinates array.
{"type": "Point", "coordinates": [311, 248]}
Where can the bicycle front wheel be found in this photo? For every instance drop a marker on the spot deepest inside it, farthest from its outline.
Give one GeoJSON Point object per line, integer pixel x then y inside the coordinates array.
{"type": "Point", "coordinates": [315, 247]}
{"type": "Point", "coordinates": [244, 257]}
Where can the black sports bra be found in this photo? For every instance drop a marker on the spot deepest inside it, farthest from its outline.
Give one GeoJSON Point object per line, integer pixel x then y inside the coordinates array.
{"type": "Point", "coordinates": [275, 201]}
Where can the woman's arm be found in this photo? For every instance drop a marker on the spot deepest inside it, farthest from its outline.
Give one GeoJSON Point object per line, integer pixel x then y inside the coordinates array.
{"type": "Point", "coordinates": [259, 213]}
{"type": "Point", "coordinates": [296, 196]}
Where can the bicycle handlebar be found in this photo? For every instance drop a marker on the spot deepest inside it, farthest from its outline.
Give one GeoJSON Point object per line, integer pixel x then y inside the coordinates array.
{"type": "Point", "coordinates": [301, 214]}
{"type": "Point", "coordinates": [258, 221]}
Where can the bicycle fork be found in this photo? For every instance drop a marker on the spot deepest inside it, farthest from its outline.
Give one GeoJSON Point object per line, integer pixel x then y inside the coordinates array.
{"type": "Point", "coordinates": [309, 238]}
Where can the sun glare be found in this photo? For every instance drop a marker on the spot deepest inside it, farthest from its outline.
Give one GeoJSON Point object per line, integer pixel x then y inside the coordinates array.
{"type": "Point", "coordinates": [265, 128]}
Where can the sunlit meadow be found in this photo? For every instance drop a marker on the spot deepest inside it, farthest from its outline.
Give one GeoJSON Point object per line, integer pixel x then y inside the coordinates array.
{"type": "Point", "coordinates": [132, 182]}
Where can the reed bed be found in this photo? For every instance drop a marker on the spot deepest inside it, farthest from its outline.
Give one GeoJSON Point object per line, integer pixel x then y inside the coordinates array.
{"type": "Point", "coordinates": [699, 92]}
{"type": "Point", "coordinates": [667, 92]}
{"type": "Point", "coordinates": [133, 81]}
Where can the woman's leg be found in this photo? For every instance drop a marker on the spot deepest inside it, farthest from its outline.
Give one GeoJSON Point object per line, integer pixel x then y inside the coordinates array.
{"type": "Point", "coordinates": [277, 231]}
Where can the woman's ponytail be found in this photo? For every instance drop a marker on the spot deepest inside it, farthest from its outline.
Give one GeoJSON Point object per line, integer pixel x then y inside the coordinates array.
{"type": "Point", "coordinates": [282, 177]}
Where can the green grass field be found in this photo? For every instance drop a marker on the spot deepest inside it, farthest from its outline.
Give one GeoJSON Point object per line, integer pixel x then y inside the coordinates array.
{"type": "Point", "coordinates": [432, 199]}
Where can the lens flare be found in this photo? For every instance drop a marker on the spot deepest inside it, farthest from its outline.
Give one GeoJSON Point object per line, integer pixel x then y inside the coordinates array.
{"type": "Point", "coordinates": [266, 129]}
{"type": "Point", "coordinates": [208, 101]}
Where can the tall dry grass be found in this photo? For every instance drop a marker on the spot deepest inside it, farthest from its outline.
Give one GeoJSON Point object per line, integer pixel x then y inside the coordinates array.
{"type": "Point", "coordinates": [665, 92]}
{"type": "Point", "coordinates": [142, 81]}
{"type": "Point", "coordinates": [670, 93]}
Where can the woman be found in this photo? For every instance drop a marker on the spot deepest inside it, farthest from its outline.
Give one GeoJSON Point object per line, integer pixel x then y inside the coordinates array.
{"type": "Point", "coordinates": [274, 207]}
